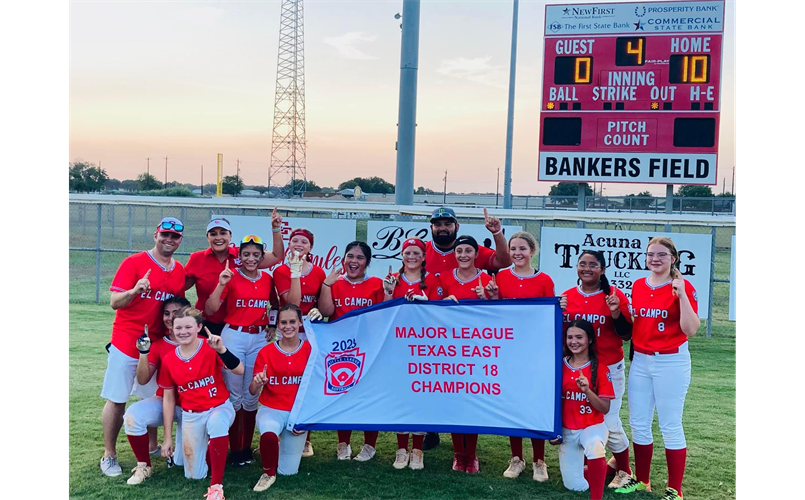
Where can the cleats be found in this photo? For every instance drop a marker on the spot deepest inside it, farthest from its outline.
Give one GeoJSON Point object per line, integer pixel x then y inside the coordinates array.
{"type": "Point", "coordinates": [344, 451]}
{"type": "Point", "coordinates": [265, 482]}
{"type": "Point", "coordinates": [540, 471]}
{"type": "Point", "coordinates": [417, 461]}
{"type": "Point", "coordinates": [367, 453]}
{"type": "Point", "coordinates": [141, 473]}
{"type": "Point", "coordinates": [401, 459]}
{"type": "Point", "coordinates": [633, 485]}
{"type": "Point", "coordinates": [308, 449]}
{"type": "Point", "coordinates": [110, 467]}
{"type": "Point", "coordinates": [516, 466]}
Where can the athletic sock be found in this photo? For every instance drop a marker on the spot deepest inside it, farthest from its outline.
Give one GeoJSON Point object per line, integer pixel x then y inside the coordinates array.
{"type": "Point", "coordinates": [344, 436]}
{"type": "Point", "coordinates": [538, 446]}
{"type": "Point", "coordinates": [517, 446]}
{"type": "Point", "coordinates": [642, 461]}
{"type": "Point", "coordinates": [676, 468]}
{"type": "Point", "coordinates": [596, 476]}
{"type": "Point", "coordinates": [370, 438]}
{"type": "Point", "coordinates": [139, 445]}
{"type": "Point", "coordinates": [249, 418]}
{"type": "Point", "coordinates": [417, 439]}
{"type": "Point", "coordinates": [236, 432]}
{"type": "Point", "coordinates": [402, 441]}
{"type": "Point", "coordinates": [623, 461]}
{"type": "Point", "coordinates": [218, 448]}
{"type": "Point", "coordinates": [269, 452]}
{"type": "Point", "coordinates": [458, 442]}
{"type": "Point", "coordinates": [472, 444]}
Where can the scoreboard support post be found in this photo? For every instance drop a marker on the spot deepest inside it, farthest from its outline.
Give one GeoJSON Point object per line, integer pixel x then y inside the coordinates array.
{"type": "Point", "coordinates": [669, 203]}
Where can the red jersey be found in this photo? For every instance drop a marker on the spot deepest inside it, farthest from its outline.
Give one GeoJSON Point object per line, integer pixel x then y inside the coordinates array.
{"type": "Point", "coordinates": [348, 296]}
{"type": "Point", "coordinates": [593, 307]}
{"type": "Point", "coordinates": [463, 289]}
{"type": "Point", "coordinates": [159, 350]}
{"type": "Point", "coordinates": [310, 284]}
{"type": "Point", "coordinates": [146, 308]}
{"type": "Point", "coordinates": [577, 412]}
{"type": "Point", "coordinates": [441, 262]}
{"type": "Point", "coordinates": [513, 286]}
{"type": "Point", "coordinates": [246, 299]}
{"type": "Point", "coordinates": [433, 287]}
{"type": "Point", "coordinates": [656, 315]}
{"type": "Point", "coordinates": [205, 268]}
{"type": "Point", "coordinates": [198, 380]}
{"type": "Point", "coordinates": [284, 373]}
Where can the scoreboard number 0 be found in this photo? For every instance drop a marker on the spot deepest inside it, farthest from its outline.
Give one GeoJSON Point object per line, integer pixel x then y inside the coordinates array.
{"type": "Point", "coordinates": [572, 70]}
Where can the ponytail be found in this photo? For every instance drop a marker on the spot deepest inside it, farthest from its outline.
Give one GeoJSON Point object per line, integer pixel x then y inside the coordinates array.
{"type": "Point", "coordinates": [605, 286]}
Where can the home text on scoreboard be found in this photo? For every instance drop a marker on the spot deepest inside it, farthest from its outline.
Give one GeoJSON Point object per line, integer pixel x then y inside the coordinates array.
{"type": "Point", "coordinates": [631, 92]}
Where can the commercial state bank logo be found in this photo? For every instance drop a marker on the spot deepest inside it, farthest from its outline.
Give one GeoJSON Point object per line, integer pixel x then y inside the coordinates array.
{"type": "Point", "coordinates": [342, 371]}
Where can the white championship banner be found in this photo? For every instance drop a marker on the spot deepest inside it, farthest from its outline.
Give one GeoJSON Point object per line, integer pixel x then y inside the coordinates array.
{"type": "Point", "coordinates": [385, 238]}
{"type": "Point", "coordinates": [625, 257]}
{"type": "Point", "coordinates": [487, 367]}
{"type": "Point", "coordinates": [331, 236]}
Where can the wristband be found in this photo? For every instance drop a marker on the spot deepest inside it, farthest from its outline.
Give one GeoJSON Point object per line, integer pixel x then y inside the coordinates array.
{"type": "Point", "coordinates": [499, 231]}
{"type": "Point", "coordinates": [276, 229]}
{"type": "Point", "coordinates": [325, 284]}
{"type": "Point", "coordinates": [230, 360]}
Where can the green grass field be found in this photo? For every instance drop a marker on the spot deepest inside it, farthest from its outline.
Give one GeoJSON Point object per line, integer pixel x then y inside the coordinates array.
{"type": "Point", "coordinates": [709, 421]}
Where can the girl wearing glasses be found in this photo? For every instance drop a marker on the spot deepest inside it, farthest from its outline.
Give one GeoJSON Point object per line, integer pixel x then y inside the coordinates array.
{"type": "Point", "coordinates": [204, 267]}
{"type": "Point", "coordinates": [244, 292]}
{"type": "Point", "coordinates": [520, 282]}
{"type": "Point", "coordinates": [665, 314]}
{"type": "Point", "coordinates": [340, 295]}
{"type": "Point", "coordinates": [607, 309]}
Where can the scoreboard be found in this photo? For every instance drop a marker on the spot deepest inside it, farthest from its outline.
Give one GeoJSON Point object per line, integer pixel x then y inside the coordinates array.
{"type": "Point", "coordinates": [631, 92]}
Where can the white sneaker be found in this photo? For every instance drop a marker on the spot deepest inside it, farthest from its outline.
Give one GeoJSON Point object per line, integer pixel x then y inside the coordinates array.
{"type": "Point", "coordinates": [417, 460]}
{"type": "Point", "coordinates": [308, 449]}
{"type": "Point", "coordinates": [540, 471]}
{"type": "Point", "coordinates": [141, 473]}
{"type": "Point", "coordinates": [344, 451]}
{"type": "Point", "coordinates": [516, 466]}
{"type": "Point", "coordinates": [401, 459]}
{"type": "Point", "coordinates": [265, 482]}
{"type": "Point", "coordinates": [366, 453]}
{"type": "Point", "coordinates": [620, 480]}
{"type": "Point", "coordinates": [110, 467]}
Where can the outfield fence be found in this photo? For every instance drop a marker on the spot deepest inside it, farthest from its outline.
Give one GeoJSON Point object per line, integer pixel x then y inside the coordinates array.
{"type": "Point", "coordinates": [104, 230]}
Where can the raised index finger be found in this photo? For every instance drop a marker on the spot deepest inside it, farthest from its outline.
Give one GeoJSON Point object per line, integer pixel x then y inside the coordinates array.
{"type": "Point", "coordinates": [486, 214]}
{"type": "Point", "coordinates": [274, 212]}
{"type": "Point", "coordinates": [147, 274]}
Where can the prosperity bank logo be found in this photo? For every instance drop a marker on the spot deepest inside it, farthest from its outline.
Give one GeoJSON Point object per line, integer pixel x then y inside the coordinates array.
{"type": "Point", "coordinates": [342, 371]}
{"type": "Point", "coordinates": [640, 11]}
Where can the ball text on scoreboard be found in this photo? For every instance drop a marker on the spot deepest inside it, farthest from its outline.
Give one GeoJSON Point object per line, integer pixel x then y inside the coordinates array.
{"type": "Point", "coordinates": [631, 92]}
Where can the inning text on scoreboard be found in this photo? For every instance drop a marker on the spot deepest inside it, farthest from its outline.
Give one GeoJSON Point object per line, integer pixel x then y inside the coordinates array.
{"type": "Point", "coordinates": [631, 92]}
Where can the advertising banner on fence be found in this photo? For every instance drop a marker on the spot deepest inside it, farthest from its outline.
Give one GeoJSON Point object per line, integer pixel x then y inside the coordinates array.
{"type": "Point", "coordinates": [733, 297]}
{"type": "Point", "coordinates": [385, 238]}
{"type": "Point", "coordinates": [488, 367]}
{"type": "Point", "coordinates": [625, 254]}
{"type": "Point", "coordinates": [331, 235]}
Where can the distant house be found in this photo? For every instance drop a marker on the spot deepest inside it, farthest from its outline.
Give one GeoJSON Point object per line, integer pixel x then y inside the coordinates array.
{"type": "Point", "coordinates": [249, 192]}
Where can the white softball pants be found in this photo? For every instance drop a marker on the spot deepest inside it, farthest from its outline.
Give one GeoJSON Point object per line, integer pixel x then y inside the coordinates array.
{"type": "Point", "coordinates": [148, 413]}
{"type": "Point", "coordinates": [197, 430]}
{"type": "Point", "coordinates": [577, 444]}
{"type": "Point", "coordinates": [659, 381]}
{"type": "Point", "coordinates": [276, 421]}
{"type": "Point", "coordinates": [245, 346]}
{"type": "Point", "coordinates": [617, 441]}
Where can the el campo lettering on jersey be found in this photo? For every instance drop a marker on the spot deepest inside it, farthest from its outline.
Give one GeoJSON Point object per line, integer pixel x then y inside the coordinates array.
{"type": "Point", "coordinates": [656, 315]}
{"type": "Point", "coordinates": [348, 296]}
{"type": "Point", "coordinates": [246, 299]}
{"type": "Point", "coordinates": [284, 374]}
{"type": "Point", "coordinates": [577, 412]}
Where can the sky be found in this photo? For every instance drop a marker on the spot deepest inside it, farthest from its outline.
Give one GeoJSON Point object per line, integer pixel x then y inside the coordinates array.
{"type": "Point", "coordinates": [188, 80]}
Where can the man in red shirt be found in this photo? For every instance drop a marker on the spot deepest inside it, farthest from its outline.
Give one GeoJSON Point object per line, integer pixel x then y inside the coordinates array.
{"type": "Point", "coordinates": [142, 283]}
{"type": "Point", "coordinates": [441, 259]}
{"type": "Point", "coordinates": [439, 256]}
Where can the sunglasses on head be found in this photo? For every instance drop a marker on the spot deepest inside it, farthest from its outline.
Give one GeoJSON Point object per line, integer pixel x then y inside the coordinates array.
{"type": "Point", "coordinates": [172, 225]}
{"type": "Point", "coordinates": [252, 238]}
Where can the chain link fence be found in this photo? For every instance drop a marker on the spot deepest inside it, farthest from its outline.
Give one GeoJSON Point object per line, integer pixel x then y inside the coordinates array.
{"type": "Point", "coordinates": [103, 234]}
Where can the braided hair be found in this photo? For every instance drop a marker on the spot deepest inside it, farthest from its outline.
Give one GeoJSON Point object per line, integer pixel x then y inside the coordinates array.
{"type": "Point", "coordinates": [590, 331]}
{"type": "Point", "coordinates": [422, 274]}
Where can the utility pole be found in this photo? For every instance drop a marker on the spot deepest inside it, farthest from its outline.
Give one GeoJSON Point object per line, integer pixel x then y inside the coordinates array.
{"type": "Point", "coordinates": [166, 171]}
{"type": "Point", "coordinates": [202, 179]}
{"type": "Point", "coordinates": [444, 200]}
{"type": "Point", "coordinates": [732, 188]}
{"type": "Point", "coordinates": [237, 175]}
{"type": "Point", "coordinates": [148, 166]}
{"type": "Point", "coordinates": [497, 189]}
{"type": "Point", "coordinates": [406, 117]}
{"type": "Point", "coordinates": [507, 172]}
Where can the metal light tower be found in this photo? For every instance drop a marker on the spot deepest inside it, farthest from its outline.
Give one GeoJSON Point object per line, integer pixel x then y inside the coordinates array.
{"type": "Point", "coordinates": [288, 136]}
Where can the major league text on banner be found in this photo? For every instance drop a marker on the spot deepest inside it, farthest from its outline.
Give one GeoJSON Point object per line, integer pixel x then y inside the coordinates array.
{"type": "Point", "coordinates": [489, 367]}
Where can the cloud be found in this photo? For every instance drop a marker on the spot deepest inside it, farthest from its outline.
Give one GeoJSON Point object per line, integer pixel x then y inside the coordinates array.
{"type": "Point", "coordinates": [345, 44]}
{"type": "Point", "coordinates": [476, 70]}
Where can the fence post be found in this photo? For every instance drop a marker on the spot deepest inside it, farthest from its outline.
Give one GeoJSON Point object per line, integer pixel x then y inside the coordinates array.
{"type": "Point", "coordinates": [712, 275]}
{"type": "Point", "coordinates": [131, 224]}
{"type": "Point", "coordinates": [98, 258]}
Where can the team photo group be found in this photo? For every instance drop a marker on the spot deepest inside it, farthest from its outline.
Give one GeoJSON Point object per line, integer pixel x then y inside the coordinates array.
{"type": "Point", "coordinates": [232, 363]}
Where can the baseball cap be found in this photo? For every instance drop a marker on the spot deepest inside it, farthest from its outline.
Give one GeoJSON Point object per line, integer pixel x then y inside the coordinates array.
{"type": "Point", "coordinates": [443, 213]}
{"type": "Point", "coordinates": [220, 222]}
{"type": "Point", "coordinates": [170, 225]}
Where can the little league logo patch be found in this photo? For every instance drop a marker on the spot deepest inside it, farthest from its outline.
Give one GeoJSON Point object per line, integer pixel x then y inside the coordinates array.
{"type": "Point", "coordinates": [342, 371]}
